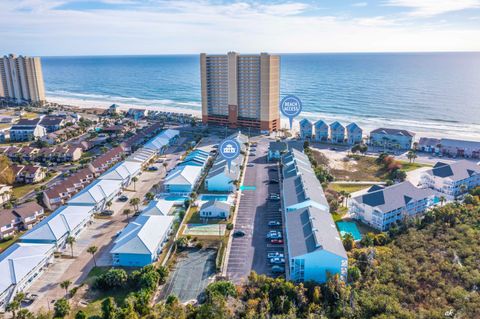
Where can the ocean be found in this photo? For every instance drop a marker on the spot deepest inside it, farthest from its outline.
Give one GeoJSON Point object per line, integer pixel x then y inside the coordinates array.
{"type": "Point", "coordinates": [432, 94]}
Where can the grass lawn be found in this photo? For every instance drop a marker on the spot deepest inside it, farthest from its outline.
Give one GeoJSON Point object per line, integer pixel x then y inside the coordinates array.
{"type": "Point", "coordinates": [20, 191]}
{"type": "Point", "coordinates": [337, 216]}
{"type": "Point", "coordinates": [194, 218]}
{"type": "Point", "coordinates": [349, 188]}
{"type": "Point", "coordinates": [364, 168]}
{"type": "Point", "coordinates": [5, 244]}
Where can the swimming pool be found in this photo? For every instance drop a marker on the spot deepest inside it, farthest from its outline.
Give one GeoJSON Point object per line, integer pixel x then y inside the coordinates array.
{"type": "Point", "coordinates": [349, 228]}
{"type": "Point", "coordinates": [175, 198]}
{"type": "Point", "coordinates": [209, 197]}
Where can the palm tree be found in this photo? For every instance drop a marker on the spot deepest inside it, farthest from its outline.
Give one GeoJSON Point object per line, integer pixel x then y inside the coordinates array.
{"type": "Point", "coordinates": [165, 167]}
{"type": "Point", "coordinates": [411, 155]}
{"type": "Point", "coordinates": [442, 199]}
{"type": "Point", "coordinates": [15, 304]}
{"type": "Point", "coordinates": [92, 250]}
{"type": "Point", "coordinates": [149, 196]}
{"type": "Point", "coordinates": [348, 241]}
{"type": "Point", "coordinates": [135, 180]}
{"type": "Point", "coordinates": [70, 241]}
{"type": "Point", "coordinates": [65, 284]}
{"type": "Point", "coordinates": [134, 202]}
{"type": "Point", "coordinates": [127, 212]}
{"type": "Point", "coordinates": [109, 204]}
{"type": "Point", "coordinates": [463, 188]}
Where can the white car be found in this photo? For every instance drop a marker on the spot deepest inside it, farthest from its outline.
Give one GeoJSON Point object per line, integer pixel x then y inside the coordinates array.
{"type": "Point", "coordinates": [274, 254]}
{"type": "Point", "coordinates": [277, 260]}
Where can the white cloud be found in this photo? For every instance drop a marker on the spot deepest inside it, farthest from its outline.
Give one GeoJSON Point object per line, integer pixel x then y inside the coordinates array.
{"type": "Point", "coordinates": [360, 4]}
{"type": "Point", "coordinates": [430, 8]}
{"type": "Point", "coordinates": [200, 26]}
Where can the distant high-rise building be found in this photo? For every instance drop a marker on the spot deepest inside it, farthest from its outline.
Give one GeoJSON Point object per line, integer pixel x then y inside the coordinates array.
{"type": "Point", "coordinates": [241, 90]}
{"type": "Point", "coordinates": [21, 79]}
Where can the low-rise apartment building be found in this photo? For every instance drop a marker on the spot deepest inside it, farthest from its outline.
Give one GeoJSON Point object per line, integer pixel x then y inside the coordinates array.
{"type": "Point", "coordinates": [29, 174]}
{"type": "Point", "coordinates": [381, 207]}
{"type": "Point", "coordinates": [27, 130]}
{"type": "Point", "coordinates": [452, 179]}
{"type": "Point", "coordinates": [314, 246]}
{"type": "Point", "coordinates": [390, 138]}
{"type": "Point", "coordinates": [21, 217]}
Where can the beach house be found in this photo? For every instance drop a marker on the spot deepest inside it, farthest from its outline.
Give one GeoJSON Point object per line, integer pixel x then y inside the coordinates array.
{"type": "Point", "coordinates": [390, 138]}
{"type": "Point", "coordinates": [354, 134]}
{"type": "Point", "coordinates": [182, 179]}
{"type": "Point", "coordinates": [337, 132]}
{"type": "Point", "coordinates": [314, 245]}
{"type": "Point", "coordinates": [321, 131]}
{"type": "Point", "coordinates": [215, 209]}
{"type": "Point", "coordinates": [306, 129]}
{"type": "Point", "coordinates": [141, 241]}
{"type": "Point", "coordinates": [220, 178]}
{"type": "Point", "coordinates": [276, 150]}
{"type": "Point", "coordinates": [452, 179]}
{"type": "Point", "coordinates": [381, 207]}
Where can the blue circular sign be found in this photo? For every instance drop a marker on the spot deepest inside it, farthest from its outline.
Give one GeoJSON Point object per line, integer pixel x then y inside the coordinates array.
{"type": "Point", "coordinates": [291, 107]}
{"type": "Point", "coordinates": [229, 149]}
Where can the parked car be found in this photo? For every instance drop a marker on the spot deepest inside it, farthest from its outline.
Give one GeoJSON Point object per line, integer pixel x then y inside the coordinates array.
{"type": "Point", "coordinates": [276, 241]}
{"type": "Point", "coordinates": [278, 269]}
{"type": "Point", "coordinates": [274, 234]}
{"type": "Point", "coordinates": [238, 233]}
{"type": "Point", "coordinates": [273, 181]}
{"type": "Point", "coordinates": [273, 169]}
{"type": "Point", "coordinates": [250, 165]}
{"type": "Point", "coordinates": [273, 223]}
{"type": "Point", "coordinates": [123, 198]}
{"type": "Point", "coordinates": [152, 168]}
{"type": "Point", "coordinates": [107, 212]}
{"type": "Point", "coordinates": [253, 154]}
{"type": "Point", "coordinates": [277, 260]}
{"type": "Point", "coordinates": [274, 254]}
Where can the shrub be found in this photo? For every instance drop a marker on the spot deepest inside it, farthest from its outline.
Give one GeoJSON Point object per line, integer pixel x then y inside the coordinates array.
{"type": "Point", "coordinates": [229, 226]}
{"type": "Point", "coordinates": [61, 308]}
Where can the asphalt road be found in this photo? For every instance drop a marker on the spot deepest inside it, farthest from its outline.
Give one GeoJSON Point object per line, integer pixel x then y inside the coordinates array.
{"type": "Point", "coordinates": [255, 210]}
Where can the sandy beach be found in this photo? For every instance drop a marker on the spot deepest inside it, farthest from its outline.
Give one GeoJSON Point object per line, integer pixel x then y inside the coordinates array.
{"type": "Point", "coordinates": [421, 129]}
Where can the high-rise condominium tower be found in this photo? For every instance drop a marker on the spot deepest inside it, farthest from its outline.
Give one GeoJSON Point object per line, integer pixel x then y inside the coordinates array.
{"type": "Point", "coordinates": [241, 90]}
{"type": "Point", "coordinates": [21, 79]}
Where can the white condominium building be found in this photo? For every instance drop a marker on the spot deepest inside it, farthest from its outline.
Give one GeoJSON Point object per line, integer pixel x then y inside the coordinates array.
{"type": "Point", "coordinates": [21, 79]}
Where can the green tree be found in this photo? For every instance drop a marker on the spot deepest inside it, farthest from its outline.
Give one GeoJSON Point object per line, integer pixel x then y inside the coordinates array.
{"type": "Point", "coordinates": [109, 308]}
{"type": "Point", "coordinates": [25, 314]}
{"type": "Point", "coordinates": [65, 284]}
{"type": "Point", "coordinates": [134, 181]}
{"type": "Point", "coordinates": [92, 250]}
{"type": "Point", "coordinates": [15, 304]}
{"type": "Point", "coordinates": [149, 196]}
{"type": "Point", "coordinates": [127, 212]}
{"type": "Point", "coordinates": [135, 202]}
{"type": "Point", "coordinates": [348, 241]}
{"type": "Point", "coordinates": [70, 241]}
{"type": "Point", "coordinates": [80, 315]}
{"type": "Point", "coordinates": [61, 308]}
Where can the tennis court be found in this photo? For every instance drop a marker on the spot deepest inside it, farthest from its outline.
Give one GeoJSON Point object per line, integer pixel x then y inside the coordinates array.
{"type": "Point", "coordinates": [205, 229]}
{"type": "Point", "coordinates": [349, 228]}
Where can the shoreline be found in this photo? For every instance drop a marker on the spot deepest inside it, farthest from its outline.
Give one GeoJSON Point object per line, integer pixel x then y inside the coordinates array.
{"type": "Point", "coordinates": [462, 131]}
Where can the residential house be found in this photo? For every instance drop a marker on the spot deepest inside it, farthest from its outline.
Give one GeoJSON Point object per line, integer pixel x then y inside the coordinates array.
{"type": "Point", "coordinates": [306, 129]}
{"type": "Point", "coordinates": [390, 138]}
{"type": "Point", "coordinates": [52, 123]}
{"type": "Point", "coordinates": [321, 131]}
{"type": "Point", "coordinates": [182, 179]}
{"type": "Point", "coordinates": [382, 207]}
{"type": "Point", "coordinates": [429, 145]}
{"type": "Point", "coordinates": [460, 148]}
{"type": "Point", "coordinates": [8, 223]}
{"type": "Point", "coordinates": [337, 132]}
{"type": "Point", "coordinates": [137, 114]}
{"type": "Point", "coordinates": [354, 134]}
{"type": "Point", "coordinates": [27, 130]}
{"type": "Point", "coordinates": [452, 179]}
{"type": "Point", "coordinates": [28, 174]}
{"type": "Point", "coordinates": [57, 227]}
{"type": "Point", "coordinates": [141, 241]}
{"type": "Point", "coordinates": [276, 150]}
{"type": "Point", "coordinates": [123, 172]}
{"type": "Point", "coordinates": [5, 193]}
{"type": "Point", "coordinates": [221, 178]}
{"type": "Point", "coordinates": [28, 214]}
{"type": "Point", "coordinates": [97, 194]}
{"type": "Point", "coordinates": [314, 246]}
{"type": "Point", "coordinates": [20, 265]}
{"type": "Point", "coordinates": [161, 207]}
{"type": "Point", "coordinates": [215, 209]}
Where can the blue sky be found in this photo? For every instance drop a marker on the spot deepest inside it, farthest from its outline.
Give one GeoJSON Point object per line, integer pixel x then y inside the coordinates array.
{"type": "Point", "coordinates": [84, 27]}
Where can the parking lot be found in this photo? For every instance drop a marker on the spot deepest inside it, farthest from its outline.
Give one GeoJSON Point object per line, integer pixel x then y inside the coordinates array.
{"type": "Point", "coordinates": [249, 252]}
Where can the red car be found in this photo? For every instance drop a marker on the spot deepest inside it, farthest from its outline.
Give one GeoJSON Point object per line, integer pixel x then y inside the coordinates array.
{"type": "Point", "coordinates": [276, 241]}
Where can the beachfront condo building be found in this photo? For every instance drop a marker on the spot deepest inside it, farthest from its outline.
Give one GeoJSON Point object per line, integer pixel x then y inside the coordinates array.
{"type": "Point", "coordinates": [241, 90]}
{"type": "Point", "coordinates": [21, 79]}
